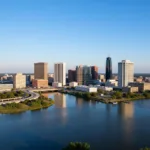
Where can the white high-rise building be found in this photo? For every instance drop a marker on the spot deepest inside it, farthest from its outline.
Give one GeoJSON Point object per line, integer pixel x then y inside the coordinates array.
{"type": "Point", "coordinates": [125, 73]}
{"type": "Point", "coordinates": [60, 73]}
{"type": "Point", "coordinates": [19, 81]}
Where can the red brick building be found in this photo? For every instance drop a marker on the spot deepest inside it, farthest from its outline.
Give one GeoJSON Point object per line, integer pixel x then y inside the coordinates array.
{"type": "Point", "coordinates": [94, 71]}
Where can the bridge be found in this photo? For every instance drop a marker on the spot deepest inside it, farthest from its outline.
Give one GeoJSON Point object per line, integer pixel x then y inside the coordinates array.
{"type": "Point", "coordinates": [33, 95]}
{"type": "Point", "coordinates": [46, 90]}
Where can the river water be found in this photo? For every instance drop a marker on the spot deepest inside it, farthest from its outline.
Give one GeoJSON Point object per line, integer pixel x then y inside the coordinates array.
{"type": "Point", "coordinates": [104, 127]}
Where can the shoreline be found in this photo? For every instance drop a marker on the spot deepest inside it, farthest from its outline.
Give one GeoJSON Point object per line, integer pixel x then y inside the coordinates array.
{"type": "Point", "coordinates": [106, 100]}
{"type": "Point", "coordinates": [27, 105]}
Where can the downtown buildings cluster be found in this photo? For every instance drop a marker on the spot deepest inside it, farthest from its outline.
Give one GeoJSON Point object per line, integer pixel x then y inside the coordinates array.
{"type": "Point", "coordinates": [83, 77]}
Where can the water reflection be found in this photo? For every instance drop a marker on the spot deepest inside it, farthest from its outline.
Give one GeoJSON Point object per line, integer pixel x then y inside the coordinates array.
{"type": "Point", "coordinates": [126, 110]}
{"type": "Point", "coordinates": [60, 100]}
{"type": "Point", "coordinates": [79, 102]}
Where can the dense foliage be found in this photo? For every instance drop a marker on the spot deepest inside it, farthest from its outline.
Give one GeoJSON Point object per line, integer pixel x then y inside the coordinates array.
{"type": "Point", "coordinates": [77, 146]}
{"type": "Point", "coordinates": [119, 95]}
{"type": "Point", "coordinates": [12, 94]}
{"type": "Point", "coordinates": [146, 148]}
{"type": "Point", "coordinates": [41, 102]}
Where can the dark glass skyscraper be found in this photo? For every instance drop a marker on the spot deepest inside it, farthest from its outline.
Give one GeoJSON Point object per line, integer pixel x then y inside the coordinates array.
{"type": "Point", "coordinates": [108, 74]}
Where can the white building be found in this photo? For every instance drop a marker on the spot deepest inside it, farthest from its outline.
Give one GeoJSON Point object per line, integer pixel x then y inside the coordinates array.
{"type": "Point", "coordinates": [6, 87]}
{"type": "Point", "coordinates": [86, 89]}
{"type": "Point", "coordinates": [125, 73]}
{"type": "Point", "coordinates": [105, 88]}
{"type": "Point", "coordinates": [19, 81]}
{"type": "Point", "coordinates": [56, 84]}
{"type": "Point", "coordinates": [111, 83]}
{"type": "Point", "coordinates": [73, 84]}
{"type": "Point", "coordinates": [60, 73]}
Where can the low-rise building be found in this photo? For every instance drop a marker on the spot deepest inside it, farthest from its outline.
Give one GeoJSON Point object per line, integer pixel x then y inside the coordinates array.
{"type": "Point", "coordinates": [105, 88]}
{"type": "Point", "coordinates": [6, 87]}
{"type": "Point", "coordinates": [86, 89]}
{"type": "Point", "coordinates": [102, 78]}
{"type": "Point", "coordinates": [19, 81]}
{"type": "Point", "coordinates": [111, 83]}
{"type": "Point", "coordinates": [57, 84]}
{"type": "Point", "coordinates": [141, 86]}
{"type": "Point", "coordinates": [40, 83]}
{"type": "Point", "coordinates": [73, 84]}
{"type": "Point", "coordinates": [130, 89]}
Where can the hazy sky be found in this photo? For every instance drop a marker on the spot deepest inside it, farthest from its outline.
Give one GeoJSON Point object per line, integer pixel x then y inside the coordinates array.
{"type": "Point", "coordinates": [74, 31]}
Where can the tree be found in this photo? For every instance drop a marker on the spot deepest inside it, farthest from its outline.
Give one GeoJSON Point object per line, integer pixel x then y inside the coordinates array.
{"type": "Point", "coordinates": [87, 95]}
{"type": "Point", "coordinates": [100, 91]}
{"type": "Point", "coordinates": [77, 146]}
{"type": "Point", "coordinates": [146, 148]}
{"type": "Point", "coordinates": [117, 94]}
{"type": "Point", "coordinates": [94, 94]}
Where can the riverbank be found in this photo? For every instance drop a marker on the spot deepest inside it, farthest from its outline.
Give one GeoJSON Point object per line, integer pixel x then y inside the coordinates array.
{"type": "Point", "coordinates": [107, 98]}
{"type": "Point", "coordinates": [36, 104]}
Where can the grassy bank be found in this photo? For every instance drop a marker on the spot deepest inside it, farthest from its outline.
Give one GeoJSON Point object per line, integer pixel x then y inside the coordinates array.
{"type": "Point", "coordinates": [39, 103]}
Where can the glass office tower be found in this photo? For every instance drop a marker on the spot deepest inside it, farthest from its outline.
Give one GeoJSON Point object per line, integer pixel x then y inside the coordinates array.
{"type": "Point", "coordinates": [108, 74]}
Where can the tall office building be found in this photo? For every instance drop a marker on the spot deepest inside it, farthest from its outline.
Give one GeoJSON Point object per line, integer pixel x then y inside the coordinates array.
{"type": "Point", "coordinates": [125, 73]}
{"type": "Point", "coordinates": [84, 74]}
{"type": "Point", "coordinates": [60, 73]}
{"type": "Point", "coordinates": [19, 81]}
{"type": "Point", "coordinates": [94, 70]}
{"type": "Point", "coordinates": [41, 71]}
{"type": "Point", "coordinates": [87, 74]}
{"type": "Point", "coordinates": [108, 68]}
{"type": "Point", "coordinates": [79, 74]}
{"type": "Point", "coordinates": [71, 75]}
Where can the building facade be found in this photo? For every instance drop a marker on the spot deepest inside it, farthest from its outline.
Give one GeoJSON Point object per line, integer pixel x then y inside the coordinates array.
{"type": "Point", "coordinates": [71, 75]}
{"type": "Point", "coordinates": [60, 73]}
{"type": "Point", "coordinates": [39, 83]}
{"type": "Point", "coordinates": [125, 73]}
{"type": "Point", "coordinates": [19, 81]}
{"type": "Point", "coordinates": [108, 74]}
{"type": "Point", "coordinates": [83, 74]}
{"type": "Point", "coordinates": [94, 71]}
{"type": "Point", "coordinates": [143, 86]}
{"type": "Point", "coordinates": [87, 74]}
{"type": "Point", "coordinates": [79, 74]}
{"type": "Point", "coordinates": [41, 71]}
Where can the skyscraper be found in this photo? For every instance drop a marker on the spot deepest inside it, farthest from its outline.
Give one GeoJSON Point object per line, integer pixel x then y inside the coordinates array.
{"type": "Point", "coordinates": [108, 68]}
{"type": "Point", "coordinates": [94, 70]}
{"type": "Point", "coordinates": [60, 73]}
{"type": "Point", "coordinates": [41, 71]}
{"type": "Point", "coordinates": [87, 74]}
{"type": "Point", "coordinates": [71, 75]}
{"type": "Point", "coordinates": [84, 74]}
{"type": "Point", "coordinates": [79, 74]}
{"type": "Point", "coordinates": [125, 73]}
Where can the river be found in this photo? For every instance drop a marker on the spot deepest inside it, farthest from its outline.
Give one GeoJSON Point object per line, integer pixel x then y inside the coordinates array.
{"type": "Point", "coordinates": [104, 127]}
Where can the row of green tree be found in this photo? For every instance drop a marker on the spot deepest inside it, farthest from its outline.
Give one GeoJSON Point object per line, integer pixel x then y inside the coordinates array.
{"type": "Point", "coordinates": [119, 95]}
{"type": "Point", "coordinates": [12, 94]}
{"type": "Point", "coordinates": [84, 146]}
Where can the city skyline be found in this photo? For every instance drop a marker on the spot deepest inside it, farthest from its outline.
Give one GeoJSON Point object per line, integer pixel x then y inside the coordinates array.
{"type": "Point", "coordinates": [77, 33]}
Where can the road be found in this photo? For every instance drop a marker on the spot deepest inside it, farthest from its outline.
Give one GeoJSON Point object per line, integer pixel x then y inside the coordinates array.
{"type": "Point", "coordinates": [33, 96]}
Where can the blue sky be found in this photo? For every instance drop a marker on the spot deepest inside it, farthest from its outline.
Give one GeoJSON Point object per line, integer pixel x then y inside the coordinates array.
{"type": "Point", "coordinates": [74, 31]}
